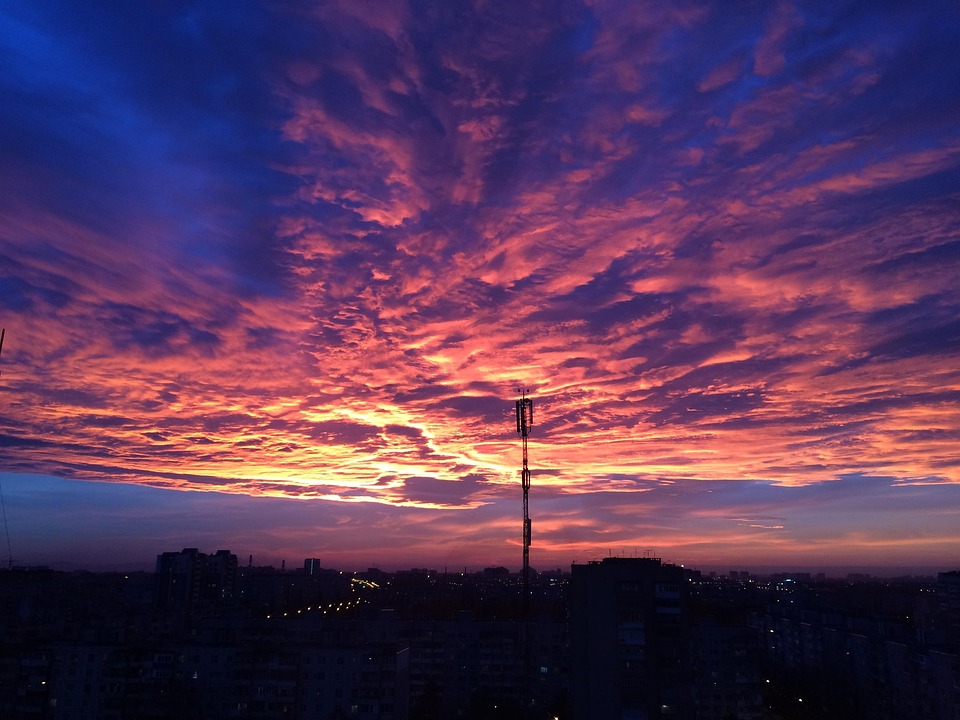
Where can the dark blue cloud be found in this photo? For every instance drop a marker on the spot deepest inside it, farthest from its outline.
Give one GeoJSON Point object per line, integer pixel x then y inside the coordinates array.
{"type": "Point", "coordinates": [15, 294]}
{"type": "Point", "coordinates": [442, 492]}
{"type": "Point", "coordinates": [156, 333]}
{"type": "Point", "coordinates": [486, 409]}
{"type": "Point", "coordinates": [150, 106]}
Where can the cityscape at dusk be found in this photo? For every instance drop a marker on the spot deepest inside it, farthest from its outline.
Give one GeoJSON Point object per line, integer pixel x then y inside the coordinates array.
{"type": "Point", "coordinates": [272, 276]}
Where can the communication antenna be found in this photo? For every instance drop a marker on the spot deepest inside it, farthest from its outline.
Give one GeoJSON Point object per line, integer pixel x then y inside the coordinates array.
{"type": "Point", "coordinates": [524, 426]}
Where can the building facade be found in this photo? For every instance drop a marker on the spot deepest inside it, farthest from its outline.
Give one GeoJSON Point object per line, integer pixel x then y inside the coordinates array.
{"type": "Point", "coordinates": [629, 635]}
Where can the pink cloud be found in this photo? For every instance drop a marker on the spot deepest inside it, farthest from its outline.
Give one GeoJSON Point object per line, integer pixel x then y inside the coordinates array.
{"type": "Point", "coordinates": [768, 56]}
{"type": "Point", "coordinates": [721, 75]}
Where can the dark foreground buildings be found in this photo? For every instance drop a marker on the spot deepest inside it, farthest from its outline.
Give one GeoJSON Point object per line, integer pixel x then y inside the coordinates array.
{"type": "Point", "coordinates": [629, 636]}
{"type": "Point", "coordinates": [628, 639]}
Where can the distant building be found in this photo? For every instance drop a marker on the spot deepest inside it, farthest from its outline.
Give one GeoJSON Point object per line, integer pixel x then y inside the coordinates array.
{"type": "Point", "coordinates": [189, 579]}
{"type": "Point", "coordinates": [948, 593]}
{"type": "Point", "coordinates": [725, 672]}
{"type": "Point", "coordinates": [178, 578]}
{"type": "Point", "coordinates": [629, 638]}
{"type": "Point", "coordinates": [219, 576]}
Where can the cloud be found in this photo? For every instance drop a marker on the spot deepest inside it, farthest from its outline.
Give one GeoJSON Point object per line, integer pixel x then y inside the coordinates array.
{"type": "Point", "coordinates": [769, 53]}
{"type": "Point", "coordinates": [312, 253]}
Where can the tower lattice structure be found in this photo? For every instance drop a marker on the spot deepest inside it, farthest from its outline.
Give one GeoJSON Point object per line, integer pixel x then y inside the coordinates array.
{"type": "Point", "coordinates": [524, 426]}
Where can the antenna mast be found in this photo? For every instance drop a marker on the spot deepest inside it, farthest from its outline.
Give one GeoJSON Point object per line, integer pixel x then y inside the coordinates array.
{"type": "Point", "coordinates": [524, 426]}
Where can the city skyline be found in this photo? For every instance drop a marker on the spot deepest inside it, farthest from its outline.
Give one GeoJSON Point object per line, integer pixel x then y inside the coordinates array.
{"type": "Point", "coordinates": [272, 278]}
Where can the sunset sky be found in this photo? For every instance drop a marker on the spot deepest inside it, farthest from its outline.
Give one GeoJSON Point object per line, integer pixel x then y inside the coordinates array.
{"type": "Point", "coordinates": [272, 273]}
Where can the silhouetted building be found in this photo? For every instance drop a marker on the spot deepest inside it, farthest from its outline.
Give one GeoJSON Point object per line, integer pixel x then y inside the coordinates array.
{"type": "Point", "coordinates": [629, 640]}
{"type": "Point", "coordinates": [648, 641]}
{"type": "Point", "coordinates": [725, 678]}
{"type": "Point", "coordinates": [948, 595]}
{"type": "Point", "coordinates": [219, 577]}
{"type": "Point", "coordinates": [855, 651]}
{"type": "Point", "coordinates": [189, 579]}
{"type": "Point", "coordinates": [178, 578]}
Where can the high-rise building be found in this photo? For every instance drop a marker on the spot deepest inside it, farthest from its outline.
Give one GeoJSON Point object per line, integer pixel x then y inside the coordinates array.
{"type": "Point", "coordinates": [948, 593]}
{"type": "Point", "coordinates": [189, 578]}
{"type": "Point", "coordinates": [178, 578]}
{"type": "Point", "coordinates": [219, 576]}
{"type": "Point", "coordinates": [628, 636]}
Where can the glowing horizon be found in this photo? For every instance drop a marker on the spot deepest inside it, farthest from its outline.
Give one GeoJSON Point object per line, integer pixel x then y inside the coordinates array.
{"type": "Point", "coordinates": [311, 254]}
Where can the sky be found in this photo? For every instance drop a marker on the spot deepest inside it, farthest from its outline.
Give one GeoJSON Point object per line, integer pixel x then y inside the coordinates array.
{"type": "Point", "coordinates": [272, 275]}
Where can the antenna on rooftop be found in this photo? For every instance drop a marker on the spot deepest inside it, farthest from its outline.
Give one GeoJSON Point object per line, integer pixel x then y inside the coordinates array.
{"type": "Point", "coordinates": [524, 426]}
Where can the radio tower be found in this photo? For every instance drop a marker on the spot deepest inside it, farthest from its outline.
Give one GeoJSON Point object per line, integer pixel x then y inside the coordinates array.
{"type": "Point", "coordinates": [524, 425]}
